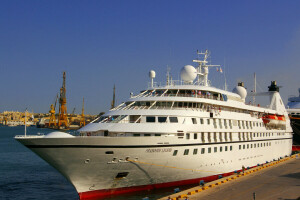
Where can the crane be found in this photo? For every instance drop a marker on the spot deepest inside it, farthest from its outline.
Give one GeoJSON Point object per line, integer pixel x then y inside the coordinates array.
{"type": "Point", "coordinates": [82, 119]}
{"type": "Point", "coordinates": [62, 116]}
{"type": "Point", "coordinates": [52, 120]}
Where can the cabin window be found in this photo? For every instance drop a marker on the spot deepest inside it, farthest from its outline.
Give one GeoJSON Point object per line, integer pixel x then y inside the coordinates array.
{"type": "Point", "coordinates": [186, 152]}
{"type": "Point", "coordinates": [208, 121]}
{"type": "Point", "coordinates": [175, 152]}
{"type": "Point", "coordinates": [194, 120]}
{"type": "Point", "coordinates": [195, 151]}
{"type": "Point", "coordinates": [162, 119]}
{"type": "Point", "coordinates": [157, 134]}
{"type": "Point", "coordinates": [188, 136]}
{"type": "Point", "coordinates": [173, 119]}
{"type": "Point", "coordinates": [202, 150]}
{"type": "Point", "coordinates": [109, 152]}
{"type": "Point", "coordinates": [201, 121]}
{"type": "Point", "coordinates": [209, 150]}
{"type": "Point", "coordinates": [226, 148]}
{"type": "Point", "coordinates": [105, 133]}
{"type": "Point", "coordinates": [147, 135]}
{"type": "Point", "coordinates": [136, 135]}
{"type": "Point", "coordinates": [150, 119]}
{"type": "Point", "coordinates": [240, 146]}
{"type": "Point", "coordinates": [195, 136]}
{"type": "Point", "coordinates": [221, 149]}
{"type": "Point", "coordinates": [215, 149]}
{"type": "Point", "coordinates": [230, 148]}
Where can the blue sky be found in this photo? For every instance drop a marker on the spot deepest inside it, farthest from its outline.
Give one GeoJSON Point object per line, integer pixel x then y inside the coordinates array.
{"type": "Point", "coordinates": [102, 43]}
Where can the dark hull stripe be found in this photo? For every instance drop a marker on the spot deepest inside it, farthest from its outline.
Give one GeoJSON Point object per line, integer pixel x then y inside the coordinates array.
{"type": "Point", "coordinates": [147, 146]}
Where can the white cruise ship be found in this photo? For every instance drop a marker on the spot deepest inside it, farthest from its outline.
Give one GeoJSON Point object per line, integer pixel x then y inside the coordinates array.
{"type": "Point", "coordinates": [169, 135]}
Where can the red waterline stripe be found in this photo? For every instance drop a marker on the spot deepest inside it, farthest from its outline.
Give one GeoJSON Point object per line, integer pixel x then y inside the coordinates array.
{"type": "Point", "coordinates": [118, 191]}
{"type": "Point", "coordinates": [296, 148]}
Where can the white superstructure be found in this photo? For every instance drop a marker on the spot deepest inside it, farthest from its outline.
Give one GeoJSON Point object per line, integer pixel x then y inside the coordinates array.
{"type": "Point", "coordinates": [168, 135]}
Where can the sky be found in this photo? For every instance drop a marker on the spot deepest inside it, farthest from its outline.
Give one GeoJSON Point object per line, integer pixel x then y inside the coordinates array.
{"type": "Point", "coordinates": [102, 43]}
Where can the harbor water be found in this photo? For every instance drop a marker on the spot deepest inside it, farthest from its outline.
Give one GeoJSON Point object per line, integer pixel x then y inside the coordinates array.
{"type": "Point", "coordinates": [23, 175]}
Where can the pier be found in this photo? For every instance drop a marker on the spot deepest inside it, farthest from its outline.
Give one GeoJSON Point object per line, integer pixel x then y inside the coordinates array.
{"type": "Point", "coordinates": [275, 180]}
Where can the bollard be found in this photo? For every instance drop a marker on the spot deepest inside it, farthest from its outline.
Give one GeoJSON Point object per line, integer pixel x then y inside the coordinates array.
{"type": "Point", "coordinates": [201, 183]}
{"type": "Point", "coordinates": [176, 190]}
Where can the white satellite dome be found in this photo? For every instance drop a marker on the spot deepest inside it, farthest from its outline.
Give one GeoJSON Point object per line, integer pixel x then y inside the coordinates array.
{"type": "Point", "coordinates": [152, 74]}
{"type": "Point", "coordinates": [240, 90]}
{"type": "Point", "coordinates": [188, 73]}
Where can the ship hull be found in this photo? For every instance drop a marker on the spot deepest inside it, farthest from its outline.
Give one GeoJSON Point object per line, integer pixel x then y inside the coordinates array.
{"type": "Point", "coordinates": [295, 123]}
{"type": "Point", "coordinates": [100, 166]}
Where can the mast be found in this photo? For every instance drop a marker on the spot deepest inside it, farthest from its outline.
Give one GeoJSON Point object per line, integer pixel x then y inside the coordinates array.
{"type": "Point", "coordinates": [254, 89]}
{"type": "Point", "coordinates": [202, 69]}
{"type": "Point", "coordinates": [114, 98]}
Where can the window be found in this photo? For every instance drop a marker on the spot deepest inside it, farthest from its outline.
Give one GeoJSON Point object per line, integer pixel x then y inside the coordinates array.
{"type": "Point", "coordinates": [147, 135]}
{"type": "Point", "coordinates": [251, 146]}
{"type": "Point", "coordinates": [254, 145]}
{"type": "Point", "coordinates": [230, 148]}
{"type": "Point", "coordinates": [209, 150]}
{"type": "Point", "coordinates": [247, 146]}
{"type": "Point", "coordinates": [195, 151]}
{"type": "Point", "coordinates": [202, 150]}
{"type": "Point", "coordinates": [157, 134]}
{"type": "Point", "coordinates": [221, 149]}
{"type": "Point", "coordinates": [208, 121]}
{"type": "Point", "coordinates": [244, 146]}
{"type": "Point", "coordinates": [150, 119]}
{"type": "Point", "coordinates": [195, 136]}
{"type": "Point", "coordinates": [173, 119]}
{"type": "Point", "coordinates": [175, 152]}
{"type": "Point", "coordinates": [136, 135]}
{"type": "Point", "coordinates": [201, 121]}
{"type": "Point", "coordinates": [194, 120]}
{"type": "Point", "coordinates": [226, 148]}
{"type": "Point", "coordinates": [240, 146]}
{"type": "Point", "coordinates": [162, 119]}
{"type": "Point", "coordinates": [215, 149]}
{"type": "Point", "coordinates": [186, 152]}
{"type": "Point", "coordinates": [188, 136]}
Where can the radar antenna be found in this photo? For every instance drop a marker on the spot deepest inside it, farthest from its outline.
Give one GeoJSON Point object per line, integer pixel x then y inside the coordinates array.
{"type": "Point", "coordinates": [202, 69]}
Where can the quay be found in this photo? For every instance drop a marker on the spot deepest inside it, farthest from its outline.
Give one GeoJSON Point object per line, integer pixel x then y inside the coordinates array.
{"type": "Point", "coordinates": [275, 180]}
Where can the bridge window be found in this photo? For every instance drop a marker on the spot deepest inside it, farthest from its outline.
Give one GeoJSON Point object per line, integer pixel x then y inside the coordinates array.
{"type": "Point", "coordinates": [150, 119]}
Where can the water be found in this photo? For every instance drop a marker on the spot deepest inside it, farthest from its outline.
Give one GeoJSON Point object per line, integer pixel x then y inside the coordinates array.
{"type": "Point", "coordinates": [23, 175]}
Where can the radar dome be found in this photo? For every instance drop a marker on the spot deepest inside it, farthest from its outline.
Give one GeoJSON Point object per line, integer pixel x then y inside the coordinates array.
{"type": "Point", "coordinates": [152, 74]}
{"type": "Point", "coordinates": [240, 90]}
{"type": "Point", "coordinates": [188, 73]}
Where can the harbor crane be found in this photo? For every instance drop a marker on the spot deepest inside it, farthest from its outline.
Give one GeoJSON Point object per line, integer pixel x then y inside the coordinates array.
{"type": "Point", "coordinates": [62, 117]}
{"type": "Point", "coordinates": [82, 120]}
{"type": "Point", "coordinates": [52, 120]}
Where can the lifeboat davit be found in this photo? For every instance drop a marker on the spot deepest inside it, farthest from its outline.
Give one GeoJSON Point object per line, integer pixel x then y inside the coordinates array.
{"type": "Point", "coordinates": [273, 120]}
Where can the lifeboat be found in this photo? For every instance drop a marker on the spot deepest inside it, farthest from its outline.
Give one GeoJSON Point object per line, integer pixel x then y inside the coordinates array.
{"type": "Point", "coordinates": [273, 120]}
